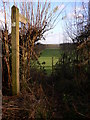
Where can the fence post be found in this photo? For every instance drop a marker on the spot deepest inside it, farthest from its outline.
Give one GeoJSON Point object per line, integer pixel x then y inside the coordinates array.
{"type": "Point", "coordinates": [15, 49]}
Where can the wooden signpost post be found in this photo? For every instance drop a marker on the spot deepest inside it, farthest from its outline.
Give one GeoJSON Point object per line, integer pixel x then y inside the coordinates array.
{"type": "Point", "coordinates": [15, 50]}
{"type": "Point", "coordinates": [15, 18]}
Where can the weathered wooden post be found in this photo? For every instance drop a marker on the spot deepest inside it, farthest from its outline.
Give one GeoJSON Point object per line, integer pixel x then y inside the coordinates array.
{"type": "Point", "coordinates": [15, 49]}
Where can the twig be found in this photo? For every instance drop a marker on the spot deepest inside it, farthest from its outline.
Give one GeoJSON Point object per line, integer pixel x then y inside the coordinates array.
{"type": "Point", "coordinates": [79, 112]}
{"type": "Point", "coordinates": [17, 109]}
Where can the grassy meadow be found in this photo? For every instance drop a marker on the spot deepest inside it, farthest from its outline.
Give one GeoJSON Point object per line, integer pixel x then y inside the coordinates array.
{"type": "Point", "coordinates": [46, 56]}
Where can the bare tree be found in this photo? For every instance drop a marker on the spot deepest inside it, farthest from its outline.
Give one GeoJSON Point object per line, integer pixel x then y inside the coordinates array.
{"type": "Point", "coordinates": [40, 19]}
{"type": "Point", "coordinates": [77, 27]}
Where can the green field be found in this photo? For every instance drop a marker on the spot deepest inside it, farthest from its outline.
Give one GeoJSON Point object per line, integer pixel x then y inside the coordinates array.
{"type": "Point", "coordinates": [46, 56]}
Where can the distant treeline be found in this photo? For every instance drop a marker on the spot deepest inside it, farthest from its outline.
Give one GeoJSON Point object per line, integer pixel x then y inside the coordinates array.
{"type": "Point", "coordinates": [63, 46]}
